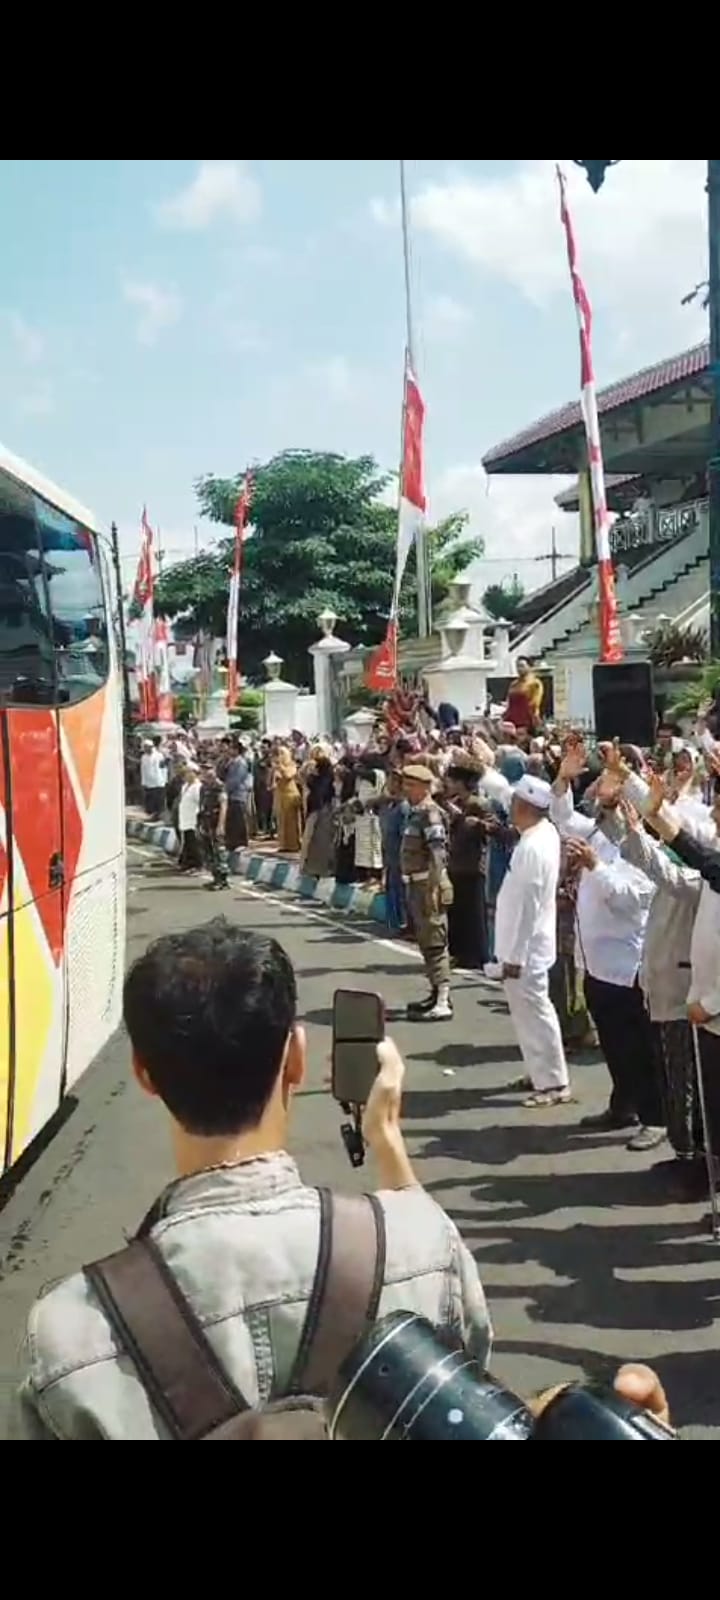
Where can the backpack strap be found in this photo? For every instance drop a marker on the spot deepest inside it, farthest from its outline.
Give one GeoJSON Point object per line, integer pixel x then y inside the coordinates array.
{"type": "Point", "coordinates": [177, 1365]}
{"type": "Point", "coordinates": [346, 1291]}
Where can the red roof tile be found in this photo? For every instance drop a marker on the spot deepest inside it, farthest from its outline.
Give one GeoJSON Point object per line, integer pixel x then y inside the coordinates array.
{"type": "Point", "coordinates": [664, 375]}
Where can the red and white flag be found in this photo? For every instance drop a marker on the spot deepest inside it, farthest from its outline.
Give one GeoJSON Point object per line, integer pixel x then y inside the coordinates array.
{"type": "Point", "coordinates": [163, 689]}
{"type": "Point", "coordinates": [611, 648]}
{"type": "Point", "coordinates": [242, 512]}
{"type": "Point", "coordinates": [144, 595]}
{"type": "Point", "coordinates": [381, 673]}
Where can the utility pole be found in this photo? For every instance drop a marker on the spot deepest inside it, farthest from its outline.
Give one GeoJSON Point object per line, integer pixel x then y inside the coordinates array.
{"type": "Point", "coordinates": [127, 706]}
{"type": "Point", "coordinates": [555, 556]}
{"type": "Point", "coordinates": [713, 191]}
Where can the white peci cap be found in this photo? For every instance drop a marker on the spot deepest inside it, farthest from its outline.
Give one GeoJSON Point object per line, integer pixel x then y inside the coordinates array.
{"type": "Point", "coordinates": [535, 791]}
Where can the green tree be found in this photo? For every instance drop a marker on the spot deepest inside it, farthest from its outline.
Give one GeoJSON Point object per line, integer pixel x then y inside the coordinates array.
{"type": "Point", "coordinates": [504, 599]}
{"type": "Point", "coordinates": [324, 536]}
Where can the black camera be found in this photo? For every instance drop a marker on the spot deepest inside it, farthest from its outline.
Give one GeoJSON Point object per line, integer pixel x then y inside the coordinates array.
{"type": "Point", "coordinates": [407, 1381]}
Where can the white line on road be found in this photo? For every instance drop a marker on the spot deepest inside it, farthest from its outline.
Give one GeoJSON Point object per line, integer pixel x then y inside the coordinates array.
{"type": "Point", "coordinates": [303, 909]}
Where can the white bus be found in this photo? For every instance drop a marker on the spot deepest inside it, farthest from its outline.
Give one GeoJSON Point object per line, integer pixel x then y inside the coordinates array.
{"type": "Point", "coordinates": [62, 823]}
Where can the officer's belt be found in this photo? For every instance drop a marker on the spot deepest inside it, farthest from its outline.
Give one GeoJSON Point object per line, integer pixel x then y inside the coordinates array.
{"type": "Point", "coordinates": [416, 877]}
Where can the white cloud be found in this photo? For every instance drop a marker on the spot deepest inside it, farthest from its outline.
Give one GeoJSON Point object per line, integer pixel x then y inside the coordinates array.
{"type": "Point", "coordinates": [29, 342]}
{"type": "Point", "coordinates": [445, 317]}
{"type": "Point", "coordinates": [220, 190]}
{"type": "Point", "coordinates": [642, 240]}
{"type": "Point", "coordinates": [157, 308]}
{"type": "Point", "coordinates": [514, 516]}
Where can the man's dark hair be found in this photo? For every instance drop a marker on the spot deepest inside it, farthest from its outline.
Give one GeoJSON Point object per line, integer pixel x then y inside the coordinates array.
{"type": "Point", "coordinates": [208, 1013]}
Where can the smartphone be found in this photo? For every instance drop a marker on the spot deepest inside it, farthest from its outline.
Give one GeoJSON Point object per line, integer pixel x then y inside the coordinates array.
{"type": "Point", "coordinates": [358, 1027]}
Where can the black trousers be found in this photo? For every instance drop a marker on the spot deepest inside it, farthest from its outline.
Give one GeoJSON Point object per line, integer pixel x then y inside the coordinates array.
{"type": "Point", "coordinates": [625, 1035]}
{"type": "Point", "coordinates": [467, 929]}
{"type": "Point", "coordinates": [190, 857]}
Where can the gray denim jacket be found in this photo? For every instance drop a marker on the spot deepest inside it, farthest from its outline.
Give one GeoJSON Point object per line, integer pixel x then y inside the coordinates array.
{"type": "Point", "coordinates": [242, 1242]}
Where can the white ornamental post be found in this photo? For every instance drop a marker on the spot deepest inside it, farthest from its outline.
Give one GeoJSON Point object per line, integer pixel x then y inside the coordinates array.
{"type": "Point", "coordinates": [280, 700]}
{"type": "Point", "coordinates": [324, 654]}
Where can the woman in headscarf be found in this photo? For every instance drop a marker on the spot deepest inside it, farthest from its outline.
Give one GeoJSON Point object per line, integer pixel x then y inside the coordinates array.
{"type": "Point", "coordinates": [286, 802]}
{"type": "Point", "coordinates": [345, 819]}
{"type": "Point", "coordinates": [317, 854]}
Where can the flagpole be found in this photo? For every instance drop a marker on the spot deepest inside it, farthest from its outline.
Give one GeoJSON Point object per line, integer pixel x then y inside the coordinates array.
{"type": "Point", "coordinates": [421, 551]}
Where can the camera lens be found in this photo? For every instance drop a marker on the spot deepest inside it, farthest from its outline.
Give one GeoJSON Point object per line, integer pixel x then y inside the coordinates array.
{"type": "Point", "coordinates": [407, 1381]}
{"type": "Point", "coordinates": [591, 1411]}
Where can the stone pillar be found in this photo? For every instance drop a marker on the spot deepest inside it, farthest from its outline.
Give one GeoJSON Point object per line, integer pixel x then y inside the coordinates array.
{"type": "Point", "coordinates": [280, 700]}
{"type": "Point", "coordinates": [324, 654]}
{"type": "Point", "coordinates": [358, 728]}
{"type": "Point", "coordinates": [504, 664]}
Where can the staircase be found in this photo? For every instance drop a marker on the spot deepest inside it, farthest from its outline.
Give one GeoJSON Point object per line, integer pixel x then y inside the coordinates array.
{"type": "Point", "coordinates": [651, 587]}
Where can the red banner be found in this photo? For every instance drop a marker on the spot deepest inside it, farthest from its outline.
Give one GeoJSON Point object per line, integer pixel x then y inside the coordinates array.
{"type": "Point", "coordinates": [381, 670]}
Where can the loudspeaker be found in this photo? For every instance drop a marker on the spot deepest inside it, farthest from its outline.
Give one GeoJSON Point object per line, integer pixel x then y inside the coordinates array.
{"type": "Point", "coordinates": [625, 702]}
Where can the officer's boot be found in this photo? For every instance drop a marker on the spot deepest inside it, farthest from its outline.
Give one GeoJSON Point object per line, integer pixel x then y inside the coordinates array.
{"type": "Point", "coordinates": [442, 1010]}
{"type": "Point", "coordinates": [420, 1008]}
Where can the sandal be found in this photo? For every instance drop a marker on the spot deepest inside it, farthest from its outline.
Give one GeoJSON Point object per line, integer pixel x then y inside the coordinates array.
{"type": "Point", "coordinates": [548, 1097]}
{"type": "Point", "coordinates": [519, 1085]}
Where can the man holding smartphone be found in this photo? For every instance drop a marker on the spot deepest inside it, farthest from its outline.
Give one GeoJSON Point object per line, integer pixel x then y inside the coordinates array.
{"type": "Point", "coordinates": [212, 1019]}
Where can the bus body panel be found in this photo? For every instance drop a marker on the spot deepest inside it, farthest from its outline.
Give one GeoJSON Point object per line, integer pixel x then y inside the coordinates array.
{"type": "Point", "coordinates": [33, 808]}
{"type": "Point", "coordinates": [62, 824]}
{"type": "Point", "coordinates": [91, 739]}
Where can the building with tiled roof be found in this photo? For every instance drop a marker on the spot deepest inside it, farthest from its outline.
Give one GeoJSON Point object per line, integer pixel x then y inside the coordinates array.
{"type": "Point", "coordinates": [656, 437]}
{"type": "Point", "coordinates": [555, 443]}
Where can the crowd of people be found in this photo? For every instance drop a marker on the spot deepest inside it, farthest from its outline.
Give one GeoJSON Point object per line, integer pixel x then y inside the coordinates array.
{"type": "Point", "coordinates": [509, 848]}
{"type": "Point", "coordinates": [584, 880]}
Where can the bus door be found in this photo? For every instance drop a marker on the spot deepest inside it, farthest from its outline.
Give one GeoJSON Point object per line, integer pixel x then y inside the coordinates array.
{"type": "Point", "coordinates": [33, 995]}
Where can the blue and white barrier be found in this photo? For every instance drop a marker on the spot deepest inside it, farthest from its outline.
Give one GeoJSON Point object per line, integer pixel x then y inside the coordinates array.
{"type": "Point", "coordinates": [353, 898]}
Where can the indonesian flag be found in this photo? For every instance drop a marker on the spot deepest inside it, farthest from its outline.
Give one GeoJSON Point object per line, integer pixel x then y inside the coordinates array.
{"type": "Point", "coordinates": [381, 672]}
{"type": "Point", "coordinates": [242, 511]}
{"type": "Point", "coordinates": [611, 649]}
{"type": "Point", "coordinates": [144, 595]}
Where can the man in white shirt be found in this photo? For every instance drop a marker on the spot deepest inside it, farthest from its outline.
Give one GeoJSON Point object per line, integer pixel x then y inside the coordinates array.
{"type": "Point", "coordinates": [153, 777]}
{"type": "Point", "coordinates": [525, 941]}
{"type": "Point", "coordinates": [613, 900]}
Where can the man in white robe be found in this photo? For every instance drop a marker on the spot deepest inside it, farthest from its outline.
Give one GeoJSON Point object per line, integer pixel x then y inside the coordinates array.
{"type": "Point", "coordinates": [525, 941]}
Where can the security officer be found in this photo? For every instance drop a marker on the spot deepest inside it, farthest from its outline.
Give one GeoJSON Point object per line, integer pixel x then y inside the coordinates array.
{"type": "Point", "coordinates": [423, 862]}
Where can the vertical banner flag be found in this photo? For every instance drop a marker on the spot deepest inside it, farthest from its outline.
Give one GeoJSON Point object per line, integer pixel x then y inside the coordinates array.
{"type": "Point", "coordinates": [381, 671]}
{"type": "Point", "coordinates": [610, 640]}
{"type": "Point", "coordinates": [163, 689]}
{"type": "Point", "coordinates": [144, 595]}
{"type": "Point", "coordinates": [242, 511]}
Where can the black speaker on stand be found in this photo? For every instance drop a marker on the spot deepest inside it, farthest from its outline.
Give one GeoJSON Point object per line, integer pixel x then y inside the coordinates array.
{"type": "Point", "coordinates": [625, 702]}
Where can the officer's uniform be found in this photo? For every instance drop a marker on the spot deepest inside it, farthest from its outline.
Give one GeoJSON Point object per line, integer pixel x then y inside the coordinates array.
{"type": "Point", "coordinates": [424, 840]}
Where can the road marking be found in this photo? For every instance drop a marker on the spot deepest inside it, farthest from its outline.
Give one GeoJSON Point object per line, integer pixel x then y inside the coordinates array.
{"type": "Point", "coordinates": [144, 851]}
{"type": "Point", "coordinates": [304, 909]}
{"type": "Point", "coordinates": [397, 946]}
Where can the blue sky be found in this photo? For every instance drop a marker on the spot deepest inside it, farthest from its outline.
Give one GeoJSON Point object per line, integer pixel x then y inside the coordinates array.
{"type": "Point", "coordinates": [160, 319]}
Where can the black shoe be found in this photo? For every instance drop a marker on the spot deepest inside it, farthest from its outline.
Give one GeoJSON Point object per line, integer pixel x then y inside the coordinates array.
{"type": "Point", "coordinates": [609, 1121]}
{"type": "Point", "coordinates": [214, 887]}
{"type": "Point", "coordinates": [419, 1008]}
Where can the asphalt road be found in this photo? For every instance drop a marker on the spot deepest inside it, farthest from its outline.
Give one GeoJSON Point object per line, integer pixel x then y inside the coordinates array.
{"type": "Point", "coordinates": [585, 1259]}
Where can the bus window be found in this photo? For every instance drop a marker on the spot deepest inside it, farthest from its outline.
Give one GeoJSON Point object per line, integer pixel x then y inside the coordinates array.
{"type": "Point", "coordinates": [27, 666]}
{"type": "Point", "coordinates": [77, 604]}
